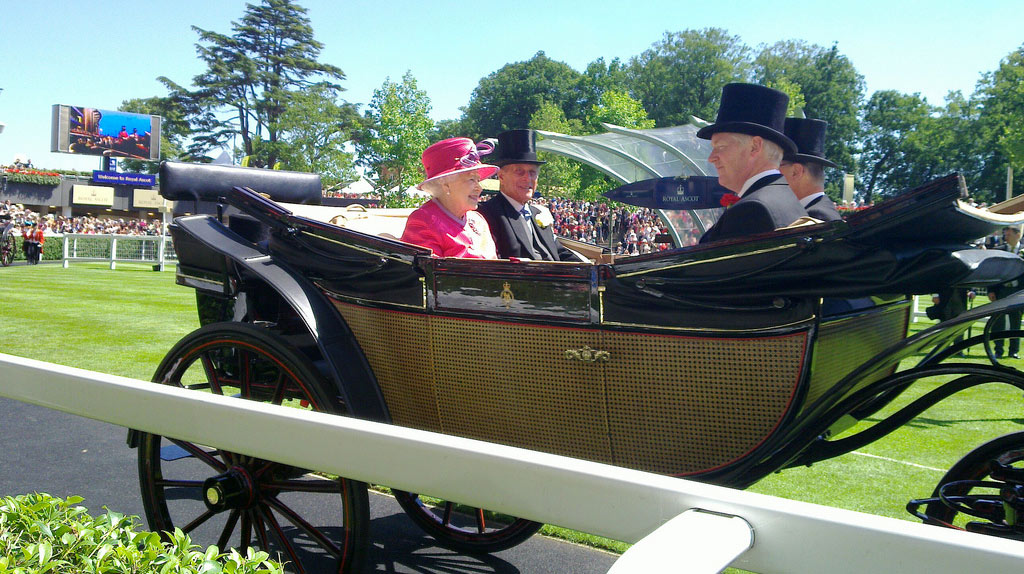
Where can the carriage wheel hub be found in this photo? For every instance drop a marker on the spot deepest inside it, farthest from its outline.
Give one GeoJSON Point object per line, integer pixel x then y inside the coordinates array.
{"type": "Point", "coordinates": [233, 489]}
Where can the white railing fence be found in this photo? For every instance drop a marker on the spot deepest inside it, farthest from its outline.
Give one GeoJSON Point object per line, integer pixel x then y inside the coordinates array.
{"type": "Point", "coordinates": [677, 525]}
{"type": "Point", "coordinates": [155, 249]}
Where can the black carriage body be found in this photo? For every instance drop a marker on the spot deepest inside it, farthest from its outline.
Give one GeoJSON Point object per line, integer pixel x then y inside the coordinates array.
{"type": "Point", "coordinates": [718, 362]}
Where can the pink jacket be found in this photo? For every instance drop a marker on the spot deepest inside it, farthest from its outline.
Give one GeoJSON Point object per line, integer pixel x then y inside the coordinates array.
{"type": "Point", "coordinates": [432, 227]}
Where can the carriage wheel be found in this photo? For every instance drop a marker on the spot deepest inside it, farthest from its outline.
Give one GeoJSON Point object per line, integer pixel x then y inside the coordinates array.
{"type": "Point", "coordinates": [974, 467]}
{"type": "Point", "coordinates": [7, 249]}
{"type": "Point", "coordinates": [233, 500]}
{"type": "Point", "coordinates": [465, 529]}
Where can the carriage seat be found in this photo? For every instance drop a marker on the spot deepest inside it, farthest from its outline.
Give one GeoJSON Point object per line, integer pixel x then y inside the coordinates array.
{"type": "Point", "coordinates": [386, 223]}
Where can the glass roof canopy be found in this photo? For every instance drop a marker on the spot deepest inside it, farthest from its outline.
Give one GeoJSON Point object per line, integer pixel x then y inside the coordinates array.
{"type": "Point", "coordinates": [629, 155]}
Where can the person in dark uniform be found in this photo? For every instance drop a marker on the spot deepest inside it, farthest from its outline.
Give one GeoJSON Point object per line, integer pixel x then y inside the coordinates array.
{"type": "Point", "coordinates": [805, 170]}
{"type": "Point", "coordinates": [520, 229]}
{"type": "Point", "coordinates": [1010, 321]}
{"type": "Point", "coordinates": [748, 144]}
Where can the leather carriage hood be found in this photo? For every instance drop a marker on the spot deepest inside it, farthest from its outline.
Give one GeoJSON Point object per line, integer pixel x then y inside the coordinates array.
{"type": "Point", "coordinates": [207, 182]}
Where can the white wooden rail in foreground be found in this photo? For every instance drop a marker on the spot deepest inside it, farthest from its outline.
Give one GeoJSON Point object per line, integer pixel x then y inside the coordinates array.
{"type": "Point", "coordinates": [696, 527]}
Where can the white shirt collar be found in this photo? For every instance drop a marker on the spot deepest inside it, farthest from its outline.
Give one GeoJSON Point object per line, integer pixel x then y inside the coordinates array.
{"type": "Point", "coordinates": [752, 180]}
{"type": "Point", "coordinates": [518, 206]}
{"type": "Point", "coordinates": [807, 200]}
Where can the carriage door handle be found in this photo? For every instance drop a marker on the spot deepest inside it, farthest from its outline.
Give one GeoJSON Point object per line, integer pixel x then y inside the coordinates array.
{"type": "Point", "coordinates": [588, 355]}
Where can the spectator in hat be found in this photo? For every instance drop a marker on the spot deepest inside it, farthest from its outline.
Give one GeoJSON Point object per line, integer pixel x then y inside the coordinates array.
{"type": "Point", "coordinates": [1010, 321]}
{"type": "Point", "coordinates": [521, 229]}
{"type": "Point", "coordinates": [748, 144]}
{"type": "Point", "coordinates": [805, 169]}
{"type": "Point", "coordinates": [448, 224]}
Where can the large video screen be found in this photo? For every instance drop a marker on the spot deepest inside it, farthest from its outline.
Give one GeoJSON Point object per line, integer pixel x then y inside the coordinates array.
{"type": "Point", "coordinates": [94, 131]}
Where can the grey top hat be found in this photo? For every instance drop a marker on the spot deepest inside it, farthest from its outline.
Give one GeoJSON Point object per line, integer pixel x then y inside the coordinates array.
{"type": "Point", "coordinates": [809, 136]}
{"type": "Point", "coordinates": [516, 146]}
{"type": "Point", "coordinates": [753, 110]}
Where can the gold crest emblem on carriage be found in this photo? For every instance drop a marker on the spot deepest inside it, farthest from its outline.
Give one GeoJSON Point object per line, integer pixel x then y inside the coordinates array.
{"type": "Point", "coordinates": [506, 295]}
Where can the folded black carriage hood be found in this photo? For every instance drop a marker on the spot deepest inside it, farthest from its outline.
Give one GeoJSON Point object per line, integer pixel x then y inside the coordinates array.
{"type": "Point", "coordinates": [914, 244]}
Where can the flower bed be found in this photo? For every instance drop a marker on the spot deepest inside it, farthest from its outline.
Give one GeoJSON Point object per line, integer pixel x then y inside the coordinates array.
{"type": "Point", "coordinates": [15, 175]}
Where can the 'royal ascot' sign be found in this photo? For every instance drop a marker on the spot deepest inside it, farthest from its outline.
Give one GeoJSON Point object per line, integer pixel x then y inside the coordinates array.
{"type": "Point", "coordinates": [146, 199]}
{"type": "Point", "coordinates": [693, 192]}
{"type": "Point", "coordinates": [112, 177]}
{"type": "Point", "coordinates": [92, 195]}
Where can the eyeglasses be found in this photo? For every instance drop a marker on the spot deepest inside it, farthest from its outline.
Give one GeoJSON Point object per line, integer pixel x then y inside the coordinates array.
{"type": "Point", "coordinates": [472, 159]}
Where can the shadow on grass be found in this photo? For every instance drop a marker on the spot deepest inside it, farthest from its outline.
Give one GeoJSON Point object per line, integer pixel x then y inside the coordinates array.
{"type": "Point", "coordinates": [926, 422]}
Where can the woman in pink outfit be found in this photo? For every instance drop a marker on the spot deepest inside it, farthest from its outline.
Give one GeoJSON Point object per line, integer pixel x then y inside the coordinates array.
{"type": "Point", "coordinates": [448, 224]}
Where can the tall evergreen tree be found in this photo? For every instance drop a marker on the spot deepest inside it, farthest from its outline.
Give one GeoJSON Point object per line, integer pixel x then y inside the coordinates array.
{"type": "Point", "coordinates": [250, 77]}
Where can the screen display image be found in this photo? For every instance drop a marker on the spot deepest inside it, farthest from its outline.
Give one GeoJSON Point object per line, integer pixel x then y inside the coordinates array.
{"type": "Point", "coordinates": [93, 131]}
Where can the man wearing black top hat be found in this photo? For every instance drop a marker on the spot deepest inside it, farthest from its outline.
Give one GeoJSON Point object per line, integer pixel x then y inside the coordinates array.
{"type": "Point", "coordinates": [805, 169]}
{"type": "Point", "coordinates": [519, 229]}
{"type": "Point", "coordinates": [747, 147]}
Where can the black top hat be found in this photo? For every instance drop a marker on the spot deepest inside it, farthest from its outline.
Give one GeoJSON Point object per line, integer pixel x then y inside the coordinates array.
{"type": "Point", "coordinates": [516, 146]}
{"type": "Point", "coordinates": [753, 110]}
{"type": "Point", "coordinates": [809, 137]}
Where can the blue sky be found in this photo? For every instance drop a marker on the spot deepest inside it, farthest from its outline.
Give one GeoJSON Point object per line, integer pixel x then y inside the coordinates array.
{"type": "Point", "coordinates": [97, 54]}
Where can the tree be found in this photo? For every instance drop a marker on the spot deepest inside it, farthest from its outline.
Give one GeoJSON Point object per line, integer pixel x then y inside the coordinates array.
{"type": "Point", "coordinates": [316, 127]}
{"type": "Point", "coordinates": [616, 107]}
{"type": "Point", "coordinates": [600, 77]}
{"type": "Point", "coordinates": [1001, 97]}
{"type": "Point", "coordinates": [890, 119]}
{"type": "Point", "coordinates": [508, 98]}
{"type": "Point", "coordinates": [398, 121]}
{"type": "Point", "coordinates": [683, 74]}
{"type": "Point", "coordinates": [560, 176]}
{"type": "Point", "coordinates": [251, 77]}
{"type": "Point", "coordinates": [831, 88]}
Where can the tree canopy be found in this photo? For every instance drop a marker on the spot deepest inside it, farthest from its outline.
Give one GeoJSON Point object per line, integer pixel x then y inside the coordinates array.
{"type": "Point", "coordinates": [251, 78]}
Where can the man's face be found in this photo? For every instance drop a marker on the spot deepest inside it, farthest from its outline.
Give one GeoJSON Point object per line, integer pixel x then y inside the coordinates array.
{"type": "Point", "coordinates": [519, 180]}
{"type": "Point", "coordinates": [1011, 235]}
{"type": "Point", "coordinates": [731, 156]}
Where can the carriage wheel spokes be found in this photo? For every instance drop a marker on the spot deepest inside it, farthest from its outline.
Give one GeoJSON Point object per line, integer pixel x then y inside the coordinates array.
{"type": "Point", "coordinates": [969, 491]}
{"type": "Point", "coordinates": [463, 528]}
{"type": "Point", "coordinates": [239, 500]}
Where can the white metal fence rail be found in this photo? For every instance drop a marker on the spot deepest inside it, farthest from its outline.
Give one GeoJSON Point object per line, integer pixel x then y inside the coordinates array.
{"type": "Point", "coordinates": [155, 249]}
{"type": "Point", "coordinates": [696, 527]}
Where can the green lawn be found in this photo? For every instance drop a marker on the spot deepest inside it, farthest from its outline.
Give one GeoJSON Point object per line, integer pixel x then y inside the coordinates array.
{"type": "Point", "coordinates": [123, 321]}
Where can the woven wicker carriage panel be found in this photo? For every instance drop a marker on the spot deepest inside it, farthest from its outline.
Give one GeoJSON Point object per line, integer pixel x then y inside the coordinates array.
{"type": "Point", "coordinates": [397, 346]}
{"type": "Point", "coordinates": [684, 404]}
{"type": "Point", "coordinates": [846, 344]}
{"type": "Point", "coordinates": [512, 384]}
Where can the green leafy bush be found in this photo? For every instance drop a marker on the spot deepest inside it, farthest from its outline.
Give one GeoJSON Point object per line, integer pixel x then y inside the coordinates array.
{"type": "Point", "coordinates": [53, 250]}
{"type": "Point", "coordinates": [41, 534]}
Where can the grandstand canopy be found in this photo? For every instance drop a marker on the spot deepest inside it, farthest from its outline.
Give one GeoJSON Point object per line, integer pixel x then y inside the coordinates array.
{"type": "Point", "coordinates": [630, 155]}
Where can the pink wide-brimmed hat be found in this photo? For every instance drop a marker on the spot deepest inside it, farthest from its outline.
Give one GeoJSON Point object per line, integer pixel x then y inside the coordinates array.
{"type": "Point", "coordinates": [456, 155]}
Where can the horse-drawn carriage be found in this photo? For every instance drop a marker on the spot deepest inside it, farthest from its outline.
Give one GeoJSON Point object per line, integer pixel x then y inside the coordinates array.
{"type": "Point", "coordinates": [722, 362]}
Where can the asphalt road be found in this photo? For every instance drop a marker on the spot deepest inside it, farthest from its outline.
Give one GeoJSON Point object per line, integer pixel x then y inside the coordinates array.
{"type": "Point", "coordinates": [42, 450]}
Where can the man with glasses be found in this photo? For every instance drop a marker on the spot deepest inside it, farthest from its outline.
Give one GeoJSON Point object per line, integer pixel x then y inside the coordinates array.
{"type": "Point", "coordinates": [805, 170]}
{"type": "Point", "coordinates": [519, 229]}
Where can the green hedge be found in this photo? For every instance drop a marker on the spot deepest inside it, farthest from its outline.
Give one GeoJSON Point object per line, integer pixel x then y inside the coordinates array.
{"type": "Point", "coordinates": [53, 250]}
{"type": "Point", "coordinates": [43, 534]}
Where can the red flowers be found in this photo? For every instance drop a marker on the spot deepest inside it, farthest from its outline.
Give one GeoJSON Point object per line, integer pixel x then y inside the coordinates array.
{"type": "Point", "coordinates": [728, 199]}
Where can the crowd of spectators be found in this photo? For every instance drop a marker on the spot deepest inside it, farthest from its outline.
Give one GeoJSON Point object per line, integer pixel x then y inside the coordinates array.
{"type": "Point", "coordinates": [631, 231]}
{"type": "Point", "coordinates": [59, 224]}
